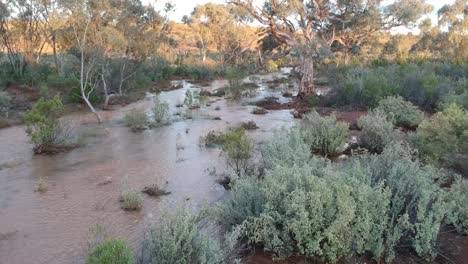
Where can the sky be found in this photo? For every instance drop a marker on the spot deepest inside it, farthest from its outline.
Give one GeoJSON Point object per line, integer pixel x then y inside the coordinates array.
{"type": "Point", "coordinates": [185, 7]}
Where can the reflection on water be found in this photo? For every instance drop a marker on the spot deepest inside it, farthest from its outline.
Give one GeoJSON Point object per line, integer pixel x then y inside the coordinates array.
{"type": "Point", "coordinates": [53, 227]}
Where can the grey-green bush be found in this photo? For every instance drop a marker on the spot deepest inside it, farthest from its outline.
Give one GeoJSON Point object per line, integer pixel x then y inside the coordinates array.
{"type": "Point", "coordinates": [161, 111]}
{"type": "Point", "coordinates": [442, 136]}
{"type": "Point", "coordinates": [178, 238]}
{"type": "Point", "coordinates": [112, 251]}
{"type": "Point", "coordinates": [457, 200]}
{"type": "Point", "coordinates": [377, 132]}
{"type": "Point", "coordinates": [131, 199]}
{"type": "Point", "coordinates": [136, 120]}
{"type": "Point", "coordinates": [402, 113]}
{"type": "Point", "coordinates": [324, 135]}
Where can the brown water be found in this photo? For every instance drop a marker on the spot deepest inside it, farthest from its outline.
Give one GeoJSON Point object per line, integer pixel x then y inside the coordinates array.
{"type": "Point", "coordinates": [53, 227]}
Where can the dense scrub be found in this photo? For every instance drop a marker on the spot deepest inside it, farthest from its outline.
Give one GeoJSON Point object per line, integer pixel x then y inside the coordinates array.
{"type": "Point", "coordinates": [377, 131]}
{"type": "Point", "coordinates": [427, 85]}
{"type": "Point", "coordinates": [402, 113]}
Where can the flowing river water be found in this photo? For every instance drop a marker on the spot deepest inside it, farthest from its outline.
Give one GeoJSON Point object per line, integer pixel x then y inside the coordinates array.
{"type": "Point", "coordinates": [54, 226]}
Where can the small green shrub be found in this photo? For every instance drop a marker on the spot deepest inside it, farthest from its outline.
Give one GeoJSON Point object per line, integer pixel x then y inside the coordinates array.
{"type": "Point", "coordinates": [271, 66]}
{"type": "Point", "coordinates": [178, 238]}
{"type": "Point", "coordinates": [213, 139]}
{"type": "Point", "coordinates": [188, 101]}
{"type": "Point", "coordinates": [130, 199]}
{"type": "Point", "coordinates": [235, 87]}
{"type": "Point", "coordinates": [457, 200]}
{"type": "Point", "coordinates": [443, 135]}
{"type": "Point", "coordinates": [324, 135]}
{"type": "Point", "coordinates": [111, 251]}
{"type": "Point", "coordinates": [161, 111]}
{"type": "Point", "coordinates": [44, 127]}
{"type": "Point", "coordinates": [5, 103]}
{"type": "Point", "coordinates": [238, 150]}
{"type": "Point", "coordinates": [136, 120]}
{"type": "Point", "coordinates": [402, 113]}
{"type": "Point", "coordinates": [377, 132]}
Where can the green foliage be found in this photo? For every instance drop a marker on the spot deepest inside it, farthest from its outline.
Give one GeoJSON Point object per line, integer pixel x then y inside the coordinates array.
{"type": "Point", "coordinates": [457, 200]}
{"type": "Point", "coordinates": [161, 111]}
{"type": "Point", "coordinates": [111, 251]}
{"type": "Point", "coordinates": [313, 208]}
{"type": "Point", "coordinates": [324, 135]}
{"type": "Point", "coordinates": [136, 120]}
{"type": "Point", "coordinates": [43, 125]}
{"type": "Point", "coordinates": [377, 131]}
{"type": "Point", "coordinates": [442, 136]}
{"type": "Point", "coordinates": [271, 66]}
{"type": "Point", "coordinates": [188, 101]}
{"type": "Point", "coordinates": [238, 150]}
{"type": "Point", "coordinates": [426, 85]}
{"type": "Point", "coordinates": [235, 77]}
{"type": "Point", "coordinates": [178, 238]}
{"type": "Point", "coordinates": [213, 139]}
{"type": "Point", "coordinates": [5, 103]}
{"type": "Point", "coordinates": [402, 113]}
{"type": "Point", "coordinates": [131, 199]}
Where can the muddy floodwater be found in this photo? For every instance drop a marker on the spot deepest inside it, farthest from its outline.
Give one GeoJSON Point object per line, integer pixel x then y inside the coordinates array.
{"type": "Point", "coordinates": [54, 226]}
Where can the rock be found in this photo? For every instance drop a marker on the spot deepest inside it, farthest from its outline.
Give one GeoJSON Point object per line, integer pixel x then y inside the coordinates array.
{"type": "Point", "coordinates": [154, 190]}
{"type": "Point", "coordinates": [106, 181]}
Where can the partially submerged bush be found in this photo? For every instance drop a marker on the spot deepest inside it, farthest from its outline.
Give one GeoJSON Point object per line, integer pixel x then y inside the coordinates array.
{"type": "Point", "coordinates": [457, 200]}
{"type": "Point", "coordinates": [44, 127]}
{"type": "Point", "coordinates": [441, 137]}
{"type": "Point", "coordinates": [377, 132]}
{"type": "Point", "coordinates": [238, 150]}
{"type": "Point", "coordinates": [136, 120]}
{"type": "Point", "coordinates": [178, 238]}
{"type": "Point", "coordinates": [161, 111]}
{"type": "Point", "coordinates": [259, 111]}
{"type": "Point", "coordinates": [5, 103]}
{"type": "Point", "coordinates": [131, 199]}
{"type": "Point", "coordinates": [324, 135]}
{"type": "Point", "coordinates": [249, 125]}
{"type": "Point", "coordinates": [402, 113]}
{"type": "Point", "coordinates": [112, 251]}
{"type": "Point", "coordinates": [213, 139]}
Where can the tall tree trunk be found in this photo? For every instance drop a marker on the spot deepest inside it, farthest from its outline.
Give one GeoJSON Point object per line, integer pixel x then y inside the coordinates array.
{"type": "Point", "coordinates": [54, 50]}
{"type": "Point", "coordinates": [307, 79]}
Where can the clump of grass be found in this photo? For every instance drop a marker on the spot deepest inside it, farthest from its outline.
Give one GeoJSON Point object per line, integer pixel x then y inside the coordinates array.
{"type": "Point", "coordinates": [212, 139]}
{"type": "Point", "coordinates": [259, 111]}
{"type": "Point", "coordinates": [136, 120]}
{"type": "Point", "coordinates": [41, 186]}
{"type": "Point", "coordinates": [130, 199]}
{"type": "Point", "coordinates": [250, 125]}
{"type": "Point", "coordinates": [112, 251]}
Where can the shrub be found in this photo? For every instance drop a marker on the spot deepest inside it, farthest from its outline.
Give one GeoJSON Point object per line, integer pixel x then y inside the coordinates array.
{"type": "Point", "coordinates": [213, 139]}
{"type": "Point", "coordinates": [372, 205]}
{"type": "Point", "coordinates": [130, 199]}
{"type": "Point", "coordinates": [178, 239]}
{"type": "Point", "coordinates": [44, 127]}
{"type": "Point", "coordinates": [188, 101]}
{"type": "Point", "coordinates": [377, 132]}
{"type": "Point", "coordinates": [111, 251]}
{"type": "Point", "coordinates": [249, 125]}
{"type": "Point", "coordinates": [238, 150]}
{"type": "Point", "coordinates": [442, 136]}
{"type": "Point", "coordinates": [271, 66]}
{"type": "Point", "coordinates": [235, 86]}
{"type": "Point", "coordinates": [402, 113]}
{"type": "Point", "coordinates": [5, 103]}
{"type": "Point", "coordinates": [136, 120]}
{"type": "Point", "coordinates": [161, 111]}
{"type": "Point", "coordinates": [324, 135]}
{"type": "Point", "coordinates": [457, 199]}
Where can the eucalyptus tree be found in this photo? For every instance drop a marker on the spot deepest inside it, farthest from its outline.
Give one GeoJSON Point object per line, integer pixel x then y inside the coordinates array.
{"type": "Point", "coordinates": [311, 26]}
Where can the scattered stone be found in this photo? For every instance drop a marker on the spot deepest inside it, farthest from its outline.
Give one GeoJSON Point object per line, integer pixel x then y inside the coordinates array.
{"type": "Point", "coordinates": [217, 108]}
{"type": "Point", "coordinates": [287, 94]}
{"type": "Point", "coordinates": [216, 118]}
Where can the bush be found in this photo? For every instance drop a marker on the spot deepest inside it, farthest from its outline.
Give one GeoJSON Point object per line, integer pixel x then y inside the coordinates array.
{"type": "Point", "coordinates": [377, 132]}
{"type": "Point", "coordinates": [324, 135]}
{"type": "Point", "coordinates": [271, 66]}
{"type": "Point", "coordinates": [188, 101]}
{"type": "Point", "coordinates": [457, 199]}
{"type": "Point", "coordinates": [111, 251]}
{"type": "Point", "coordinates": [5, 103]}
{"type": "Point", "coordinates": [372, 205]}
{"type": "Point", "coordinates": [178, 239]}
{"type": "Point", "coordinates": [442, 136]}
{"type": "Point", "coordinates": [238, 150]}
{"type": "Point", "coordinates": [136, 120]}
{"type": "Point", "coordinates": [44, 127]}
{"type": "Point", "coordinates": [213, 139]}
{"type": "Point", "coordinates": [402, 113]}
{"type": "Point", "coordinates": [131, 199]}
{"type": "Point", "coordinates": [161, 111]}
